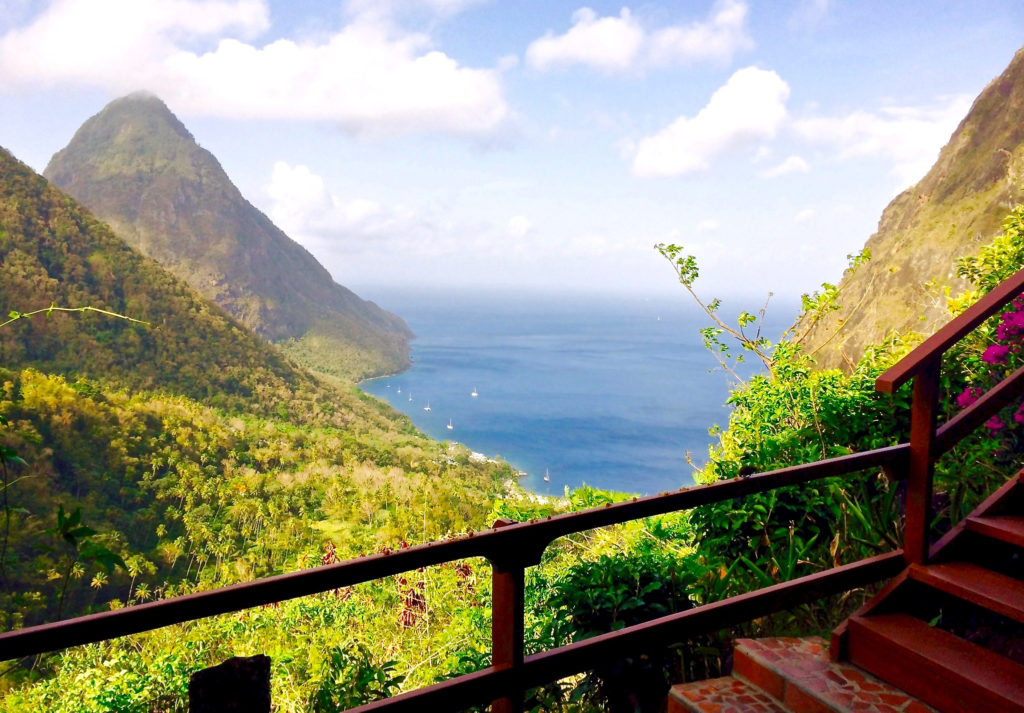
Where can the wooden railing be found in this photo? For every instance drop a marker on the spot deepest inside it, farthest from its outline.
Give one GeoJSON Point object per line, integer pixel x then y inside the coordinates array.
{"type": "Point", "coordinates": [512, 547]}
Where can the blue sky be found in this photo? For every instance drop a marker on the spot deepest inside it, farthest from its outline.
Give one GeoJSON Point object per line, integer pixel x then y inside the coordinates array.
{"type": "Point", "coordinates": [533, 145]}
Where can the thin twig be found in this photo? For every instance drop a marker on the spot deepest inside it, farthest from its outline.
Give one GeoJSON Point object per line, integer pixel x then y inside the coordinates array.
{"type": "Point", "coordinates": [15, 316]}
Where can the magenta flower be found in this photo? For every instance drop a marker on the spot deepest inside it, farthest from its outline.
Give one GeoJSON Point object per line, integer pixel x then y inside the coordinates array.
{"type": "Point", "coordinates": [968, 396]}
{"type": "Point", "coordinates": [996, 354]}
{"type": "Point", "coordinates": [994, 424]}
{"type": "Point", "coordinates": [1012, 325]}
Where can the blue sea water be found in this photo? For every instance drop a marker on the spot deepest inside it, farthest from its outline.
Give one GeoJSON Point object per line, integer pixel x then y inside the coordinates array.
{"type": "Point", "coordinates": [608, 391]}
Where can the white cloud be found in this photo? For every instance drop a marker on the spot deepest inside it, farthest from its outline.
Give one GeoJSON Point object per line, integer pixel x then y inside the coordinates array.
{"type": "Point", "coordinates": [342, 231]}
{"type": "Point", "coordinates": [708, 225]}
{"type": "Point", "coordinates": [792, 164]}
{"type": "Point", "coordinates": [804, 215]}
{"type": "Point", "coordinates": [751, 106]}
{"type": "Point", "coordinates": [621, 44]}
{"type": "Point", "coordinates": [302, 206]}
{"type": "Point", "coordinates": [909, 136]}
{"type": "Point", "coordinates": [518, 226]}
{"type": "Point", "coordinates": [80, 42]}
{"type": "Point", "coordinates": [608, 43]}
{"type": "Point", "coordinates": [369, 76]}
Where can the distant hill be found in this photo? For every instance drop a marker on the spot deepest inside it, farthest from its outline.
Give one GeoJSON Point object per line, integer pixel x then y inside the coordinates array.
{"type": "Point", "coordinates": [958, 206]}
{"type": "Point", "coordinates": [136, 166]}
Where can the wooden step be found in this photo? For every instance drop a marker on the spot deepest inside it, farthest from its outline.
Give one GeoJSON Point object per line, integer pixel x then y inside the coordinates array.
{"type": "Point", "coordinates": [977, 585]}
{"type": "Point", "coordinates": [1008, 528]}
{"type": "Point", "coordinates": [941, 669]}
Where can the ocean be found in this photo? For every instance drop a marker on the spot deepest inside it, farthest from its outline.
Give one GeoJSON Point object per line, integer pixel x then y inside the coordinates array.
{"type": "Point", "coordinates": [609, 391]}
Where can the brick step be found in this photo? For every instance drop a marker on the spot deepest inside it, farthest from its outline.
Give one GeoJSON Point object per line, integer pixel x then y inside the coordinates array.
{"type": "Point", "coordinates": [722, 695]}
{"type": "Point", "coordinates": [1008, 528]}
{"type": "Point", "coordinates": [977, 585]}
{"type": "Point", "coordinates": [948, 672]}
{"type": "Point", "coordinates": [790, 675]}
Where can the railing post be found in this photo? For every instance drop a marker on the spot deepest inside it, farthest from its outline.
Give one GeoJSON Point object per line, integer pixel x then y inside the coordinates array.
{"type": "Point", "coordinates": [918, 502]}
{"type": "Point", "coordinates": [508, 603]}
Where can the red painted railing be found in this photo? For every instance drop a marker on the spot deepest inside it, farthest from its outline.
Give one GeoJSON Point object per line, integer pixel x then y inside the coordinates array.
{"type": "Point", "coordinates": [512, 547]}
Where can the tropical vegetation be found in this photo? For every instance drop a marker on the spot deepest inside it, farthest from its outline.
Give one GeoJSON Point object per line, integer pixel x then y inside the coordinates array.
{"type": "Point", "coordinates": [133, 469]}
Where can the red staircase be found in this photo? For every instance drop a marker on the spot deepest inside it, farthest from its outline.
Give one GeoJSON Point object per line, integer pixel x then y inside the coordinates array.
{"type": "Point", "coordinates": [946, 635]}
{"type": "Point", "coordinates": [786, 675]}
{"type": "Point", "coordinates": [951, 631]}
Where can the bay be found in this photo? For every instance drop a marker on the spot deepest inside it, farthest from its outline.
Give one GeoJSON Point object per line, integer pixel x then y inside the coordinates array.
{"type": "Point", "coordinates": [609, 391]}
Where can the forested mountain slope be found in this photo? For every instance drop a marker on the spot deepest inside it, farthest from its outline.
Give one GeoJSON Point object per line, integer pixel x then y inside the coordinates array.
{"type": "Point", "coordinates": [53, 251]}
{"type": "Point", "coordinates": [136, 166]}
{"type": "Point", "coordinates": [958, 206]}
{"type": "Point", "coordinates": [200, 453]}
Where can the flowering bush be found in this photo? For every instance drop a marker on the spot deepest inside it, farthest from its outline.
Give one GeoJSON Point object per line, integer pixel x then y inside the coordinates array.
{"type": "Point", "coordinates": [1001, 358]}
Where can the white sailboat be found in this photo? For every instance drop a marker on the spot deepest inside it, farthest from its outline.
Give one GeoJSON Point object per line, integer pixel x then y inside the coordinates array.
{"type": "Point", "coordinates": [427, 407]}
{"type": "Point", "coordinates": [474, 392]}
{"type": "Point", "coordinates": [547, 476]}
{"type": "Point", "coordinates": [450, 426]}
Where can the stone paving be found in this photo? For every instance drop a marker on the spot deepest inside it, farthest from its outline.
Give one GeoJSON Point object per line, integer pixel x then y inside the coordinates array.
{"type": "Point", "coordinates": [791, 676]}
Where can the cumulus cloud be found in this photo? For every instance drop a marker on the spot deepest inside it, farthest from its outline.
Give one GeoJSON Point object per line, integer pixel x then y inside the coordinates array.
{"type": "Point", "coordinates": [708, 225]}
{"type": "Point", "coordinates": [910, 136]}
{"type": "Point", "coordinates": [368, 76]}
{"type": "Point", "coordinates": [751, 106]}
{"type": "Point", "coordinates": [99, 41]}
{"type": "Point", "coordinates": [623, 44]}
{"type": "Point", "coordinates": [791, 164]}
{"type": "Point", "coordinates": [302, 205]}
{"type": "Point", "coordinates": [340, 229]}
{"type": "Point", "coordinates": [518, 226]}
{"type": "Point", "coordinates": [804, 215]}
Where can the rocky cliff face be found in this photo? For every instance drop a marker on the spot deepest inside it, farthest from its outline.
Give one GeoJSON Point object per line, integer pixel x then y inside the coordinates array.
{"type": "Point", "coordinates": [958, 206]}
{"type": "Point", "coordinates": [136, 166]}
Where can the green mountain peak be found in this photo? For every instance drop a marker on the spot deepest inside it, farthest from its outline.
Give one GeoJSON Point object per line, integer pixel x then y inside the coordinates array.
{"type": "Point", "coordinates": [137, 167]}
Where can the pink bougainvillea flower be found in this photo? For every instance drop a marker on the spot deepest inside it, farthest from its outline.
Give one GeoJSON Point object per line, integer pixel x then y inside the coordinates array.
{"type": "Point", "coordinates": [1012, 326]}
{"type": "Point", "coordinates": [994, 424]}
{"type": "Point", "coordinates": [968, 396]}
{"type": "Point", "coordinates": [996, 354]}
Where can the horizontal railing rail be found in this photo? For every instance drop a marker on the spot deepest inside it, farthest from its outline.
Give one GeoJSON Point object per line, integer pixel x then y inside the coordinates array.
{"type": "Point", "coordinates": [525, 541]}
{"type": "Point", "coordinates": [957, 328]}
{"type": "Point", "coordinates": [542, 668]}
{"type": "Point", "coordinates": [511, 547]}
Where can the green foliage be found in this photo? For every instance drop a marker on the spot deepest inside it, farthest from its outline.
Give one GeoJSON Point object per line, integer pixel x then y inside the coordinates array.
{"type": "Point", "coordinates": [52, 251]}
{"type": "Point", "coordinates": [998, 260]}
{"type": "Point", "coordinates": [350, 678]}
{"type": "Point", "coordinates": [798, 413]}
{"type": "Point", "coordinates": [206, 498]}
{"type": "Point", "coordinates": [815, 306]}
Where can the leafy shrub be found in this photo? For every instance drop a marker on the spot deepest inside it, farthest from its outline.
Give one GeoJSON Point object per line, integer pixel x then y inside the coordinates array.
{"type": "Point", "coordinates": [350, 678]}
{"type": "Point", "coordinates": [610, 593]}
